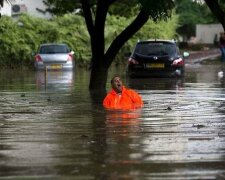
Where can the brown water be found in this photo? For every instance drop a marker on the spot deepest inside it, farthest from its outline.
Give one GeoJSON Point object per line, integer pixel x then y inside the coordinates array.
{"type": "Point", "coordinates": [54, 128]}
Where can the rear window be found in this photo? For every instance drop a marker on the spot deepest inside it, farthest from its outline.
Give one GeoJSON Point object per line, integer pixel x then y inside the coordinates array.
{"type": "Point", "coordinates": [152, 48]}
{"type": "Point", "coordinates": [52, 49]}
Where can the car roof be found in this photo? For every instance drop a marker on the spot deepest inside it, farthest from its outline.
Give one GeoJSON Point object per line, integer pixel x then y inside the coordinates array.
{"type": "Point", "coordinates": [157, 40]}
{"type": "Point", "coordinates": [47, 44]}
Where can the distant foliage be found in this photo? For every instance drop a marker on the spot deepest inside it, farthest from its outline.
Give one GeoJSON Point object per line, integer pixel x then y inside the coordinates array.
{"type": "Point", "coordinates": [20, 38]}
{"type": "Point", "coordinates": [222, 4]}
{"type": "Point", "coordinates": [192, 13]}
{"type": "Point", "coordinates": [158, 10]}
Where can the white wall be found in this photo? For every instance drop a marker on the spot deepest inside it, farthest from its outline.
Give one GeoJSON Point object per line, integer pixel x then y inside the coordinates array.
{"type": "Point", "coordinates": [31, 6]}
{"type": "Point", "coordinates": [6, 10]}
{"type": "Point", "coordinates": [205, 33]}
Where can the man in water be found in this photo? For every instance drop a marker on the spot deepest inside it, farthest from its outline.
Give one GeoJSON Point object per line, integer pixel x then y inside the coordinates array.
{"type": "Point", "coordinates": [120, 97]}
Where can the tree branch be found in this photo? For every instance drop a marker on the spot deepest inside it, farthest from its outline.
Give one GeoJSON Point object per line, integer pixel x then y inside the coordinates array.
{"type": "Point", "coordinates": [98, 35]}
{"type": "Point", "coordinates": [216, 10]}
{"type": "Point", "coordinates": [88, 16]}
{"type": "Point", "coordinates": [124, 36]}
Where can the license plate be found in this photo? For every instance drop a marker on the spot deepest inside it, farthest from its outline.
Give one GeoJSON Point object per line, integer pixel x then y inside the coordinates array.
{"type": "Point", "coordinates": [155, 65]}
{"type": "Point", "coordinates": [55, 66]}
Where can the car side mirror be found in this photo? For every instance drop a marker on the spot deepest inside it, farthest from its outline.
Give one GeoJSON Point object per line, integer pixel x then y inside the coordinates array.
{"type": "Point", "coordinates": [186, 54]}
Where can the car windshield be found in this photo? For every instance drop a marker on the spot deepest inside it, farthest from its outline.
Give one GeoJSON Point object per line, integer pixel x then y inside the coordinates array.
{"type": "Point", "coordinates": [52, 49]}
{"type": "Point", "coordinates": [152, 49]}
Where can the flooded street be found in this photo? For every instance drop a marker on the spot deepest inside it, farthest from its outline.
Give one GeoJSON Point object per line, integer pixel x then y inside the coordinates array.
{"type": "Point", "coordinates": [53, 129]}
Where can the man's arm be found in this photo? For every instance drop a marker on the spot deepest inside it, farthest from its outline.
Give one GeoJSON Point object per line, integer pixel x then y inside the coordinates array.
{"type": "Point", "coordinates": [136, 98]}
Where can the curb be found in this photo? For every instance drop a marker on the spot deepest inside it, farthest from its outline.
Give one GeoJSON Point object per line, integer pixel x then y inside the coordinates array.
{"type": "Point", "coordinates": [199, 56]}
{"type": "Point", "coordinates": [198, 60]}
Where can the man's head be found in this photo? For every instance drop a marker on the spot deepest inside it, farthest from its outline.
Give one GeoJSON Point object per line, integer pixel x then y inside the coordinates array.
{"type": "Point", "coordinates": [117, 84]}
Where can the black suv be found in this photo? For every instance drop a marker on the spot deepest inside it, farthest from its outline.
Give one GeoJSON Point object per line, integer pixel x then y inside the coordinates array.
{"type": "Point", "coordinates": [156, 58]}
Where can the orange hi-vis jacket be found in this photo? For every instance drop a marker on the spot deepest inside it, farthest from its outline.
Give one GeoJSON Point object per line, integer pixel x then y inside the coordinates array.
{"type": "Point", "coordinates": [128, 99]}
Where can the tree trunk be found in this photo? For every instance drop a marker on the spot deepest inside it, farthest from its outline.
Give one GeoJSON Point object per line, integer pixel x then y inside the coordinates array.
{"type": "Point", "coordinates": [97, 84]}
{"type": "Point", "coordinates": [98, 78]}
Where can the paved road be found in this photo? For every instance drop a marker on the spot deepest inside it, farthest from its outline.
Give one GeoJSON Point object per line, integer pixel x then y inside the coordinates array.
{"type": "Point", "coordinates": [198, 56]}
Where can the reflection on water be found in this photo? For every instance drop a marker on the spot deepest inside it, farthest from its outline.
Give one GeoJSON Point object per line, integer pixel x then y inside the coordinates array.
{"type": "Point", "coordinates": [123, 117]}
{"type": "Point", "coordinates": [54, 80]}
{"type": "Point", "coordinates": [52, 128]}
{"type": "Point", "coordinates": [155, 83]}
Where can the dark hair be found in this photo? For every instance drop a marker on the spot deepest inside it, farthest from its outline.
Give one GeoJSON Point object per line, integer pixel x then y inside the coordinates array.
{"type": "Point", "coordinates": [116, 75]}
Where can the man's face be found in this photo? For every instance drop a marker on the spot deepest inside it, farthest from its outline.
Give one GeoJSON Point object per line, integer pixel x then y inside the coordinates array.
{"type": "Point", "coordinates": [117, 84]}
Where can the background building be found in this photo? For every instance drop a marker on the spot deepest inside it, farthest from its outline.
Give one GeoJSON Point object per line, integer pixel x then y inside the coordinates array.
{"type": "Point", "coordinates": [208, 33]}
{"type": "Point", "coordinates": [33, 7]}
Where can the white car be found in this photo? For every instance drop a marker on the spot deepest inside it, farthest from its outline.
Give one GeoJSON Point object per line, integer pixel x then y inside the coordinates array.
{"type": "Point", "coordinates": [53, 57]}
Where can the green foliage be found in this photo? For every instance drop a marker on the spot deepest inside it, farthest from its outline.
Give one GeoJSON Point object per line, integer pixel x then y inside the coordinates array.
{"type": "Point", "coordinates": [61, 7]}
{"type": "Point", "coordinates": [19, 39]}
{"type": "Point", "coordinates": [14, 43]}
{"type": "Point", "coordinates": [222, 4]}
{"type": "Point", "coordinates": [162, 9]}
{"type": "Point", "coordinates": [192, 13]}
{"type": "Point", "coordinates": [125, 8]}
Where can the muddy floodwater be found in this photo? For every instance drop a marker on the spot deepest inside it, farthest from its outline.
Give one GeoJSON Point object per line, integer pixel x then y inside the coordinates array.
{"type": "Point", "coordinates": [51, 127]}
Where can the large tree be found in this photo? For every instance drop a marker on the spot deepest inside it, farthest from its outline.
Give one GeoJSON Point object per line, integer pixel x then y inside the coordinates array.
{"type": "Point", "coordinates": [218, 9]}
{"type": "Point", "coordinates": [95, 13]}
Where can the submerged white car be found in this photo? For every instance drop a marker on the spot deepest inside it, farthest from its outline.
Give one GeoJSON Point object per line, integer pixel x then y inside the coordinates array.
{"type": "Point", "coordinates": [53, 57]}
